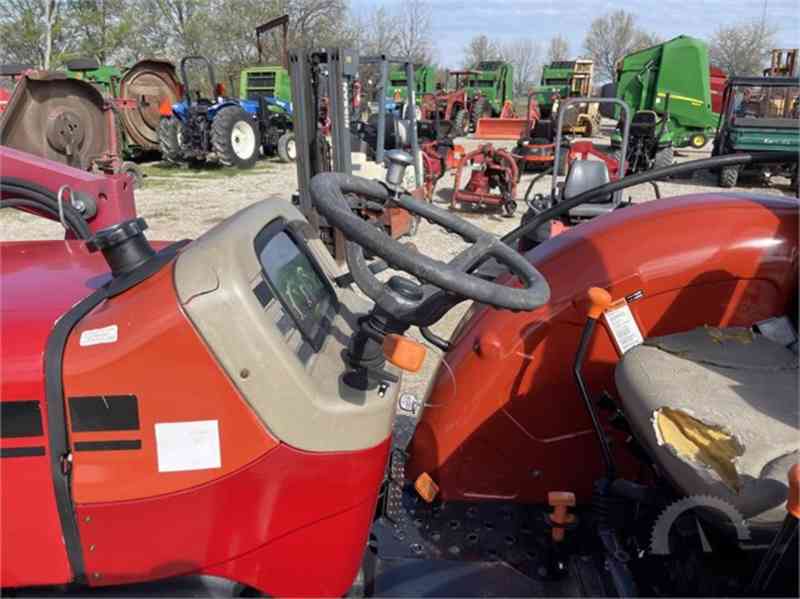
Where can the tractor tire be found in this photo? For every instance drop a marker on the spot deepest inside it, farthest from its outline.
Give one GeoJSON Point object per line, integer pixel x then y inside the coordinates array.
{"type": "Point", "coordinates": [235, 137]}
{"type": "Point", "coordinates": [728, 176]}
{"type": "Point", "coordinates": [287, 148]}
{"type": "Point", "coordinates": [169, 140]}
{"type": "Point", "coordinates": [460, 123]}
{"type": "Point", "coordinates": [480, 109]}
{"type": "Point", "coordinates": [664, 157]}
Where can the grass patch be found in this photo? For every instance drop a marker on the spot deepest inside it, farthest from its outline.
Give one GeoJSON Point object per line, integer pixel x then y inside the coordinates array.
{"type": "Point", "coordinates": [165, 170]}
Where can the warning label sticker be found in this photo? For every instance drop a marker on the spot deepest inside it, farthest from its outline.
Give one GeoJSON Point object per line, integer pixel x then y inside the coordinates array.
{"type": "Point", "coordinates": [623, 326]}
{"type": "Point", "coordinates": [107, 334]}
{"type": "Point", "coordinates": [184, 446]}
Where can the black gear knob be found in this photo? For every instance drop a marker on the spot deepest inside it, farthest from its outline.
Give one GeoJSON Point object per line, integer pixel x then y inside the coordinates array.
{"type": "Point", "coordinates": [124, 245]}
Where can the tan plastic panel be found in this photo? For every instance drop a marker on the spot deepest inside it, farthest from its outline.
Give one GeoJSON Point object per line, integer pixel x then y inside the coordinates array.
{"type": "Point", "coordinates": [305, 405]}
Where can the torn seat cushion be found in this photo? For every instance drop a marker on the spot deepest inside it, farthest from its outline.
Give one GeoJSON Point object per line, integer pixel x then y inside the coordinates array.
{"type": "Point", "coordinates": [718, 411]}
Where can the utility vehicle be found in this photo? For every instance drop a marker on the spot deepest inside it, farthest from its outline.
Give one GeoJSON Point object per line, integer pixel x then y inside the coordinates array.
{"type": "Point", "coordinates": [760, 114]}
{"type": "Point", "coordinates": [605, 419]}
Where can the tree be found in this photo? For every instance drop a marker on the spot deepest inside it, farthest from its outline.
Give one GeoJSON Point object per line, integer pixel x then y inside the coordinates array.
{"type": "Point", "coordinates": [414, 37]}
{"type": "Point", "coordinates": [558, 49]}
{"type": "Point", "coordinates": [102, 27]}
{"type": "Point", "coordinates": [31, 31]}
{"type": "Point", "coordinates": [525, 56]}
{"type": "Point", "coordinates": [742, 49]}
{"type": "Point", "coordinates": [480, 49]}
{"type": "Point", "coordinates": [610, 38]}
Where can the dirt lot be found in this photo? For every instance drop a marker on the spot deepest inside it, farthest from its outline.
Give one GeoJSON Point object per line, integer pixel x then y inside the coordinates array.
{"type": "Point", "coordinates": [183, 203]}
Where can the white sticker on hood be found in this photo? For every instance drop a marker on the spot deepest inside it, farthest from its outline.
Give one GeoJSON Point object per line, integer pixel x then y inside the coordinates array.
{"type": "Point", "coordinates": [107, 334]}
{"type": "Point", "coordinates": [192, 445]}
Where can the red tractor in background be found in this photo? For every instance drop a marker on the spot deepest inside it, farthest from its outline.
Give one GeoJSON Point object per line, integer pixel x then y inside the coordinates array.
{"type": "Point", "coordinates": [616, 413]}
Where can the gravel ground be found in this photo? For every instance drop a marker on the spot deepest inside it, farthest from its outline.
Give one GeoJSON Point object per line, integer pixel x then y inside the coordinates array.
{"type": "Point", "coordinates": [181, 203]}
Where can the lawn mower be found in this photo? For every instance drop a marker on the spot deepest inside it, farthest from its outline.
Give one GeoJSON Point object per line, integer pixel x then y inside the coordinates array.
{"type": "Point", "coordinates": [489, 169]}
{"type": "Point", "coordinates": [64, 119]}
{"type": "Point", "coordinates": [615, 414]}
{"type": "Point", "coordinates": [536, 146]}
{"type": "Point", "coordinates": [197, 128]}
{"type": "Point", "coordinates": [136, 93]}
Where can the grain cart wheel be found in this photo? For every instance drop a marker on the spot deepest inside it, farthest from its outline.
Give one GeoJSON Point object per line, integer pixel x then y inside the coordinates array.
{"type": "Point", "coordinates": [287, 147]}
{"type": "Point", "coordinates": [697, 141]}
{"type": "Point", "coordinates": [728, 176]}
{"type": "Point", "coordinates": [169, 139]}
{"type": "Point", "coordinates": [460, 123]}
{"type": "Point", "coordinates": [664, 157]}
{"type": "Point", "coordinates": [234, 137]}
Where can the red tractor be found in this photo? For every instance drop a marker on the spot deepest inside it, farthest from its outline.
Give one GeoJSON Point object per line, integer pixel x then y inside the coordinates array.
{"type": "Point", "coordinates": [616, 413]}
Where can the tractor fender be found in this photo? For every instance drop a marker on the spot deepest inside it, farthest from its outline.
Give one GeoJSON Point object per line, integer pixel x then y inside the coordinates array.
{"type": "Point", "coordinates": [247, 105]}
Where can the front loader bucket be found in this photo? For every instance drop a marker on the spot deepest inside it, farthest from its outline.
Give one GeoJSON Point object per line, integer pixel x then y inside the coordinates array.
{"type": "Point", "coordinates": [490, 128]}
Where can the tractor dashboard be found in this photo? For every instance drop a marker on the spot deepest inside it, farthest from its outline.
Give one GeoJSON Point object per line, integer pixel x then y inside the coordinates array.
{"type": "Point", "coordinates": [258, 290]}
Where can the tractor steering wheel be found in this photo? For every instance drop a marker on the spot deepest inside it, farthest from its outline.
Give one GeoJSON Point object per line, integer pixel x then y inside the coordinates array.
{"type": "Point", "coordinates": [444, 283]}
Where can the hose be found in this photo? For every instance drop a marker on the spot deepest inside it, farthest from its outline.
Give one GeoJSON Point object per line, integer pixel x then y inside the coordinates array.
{"type": "Point", "coordinates": [31, 196]}
{"type": "Point", "coordinates": [659, 173]}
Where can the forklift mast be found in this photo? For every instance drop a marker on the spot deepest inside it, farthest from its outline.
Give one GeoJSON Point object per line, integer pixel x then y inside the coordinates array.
{"type": "Point", "coordinates": [328, 75]}
{"type": "Point", "coordinates": [261, 30]}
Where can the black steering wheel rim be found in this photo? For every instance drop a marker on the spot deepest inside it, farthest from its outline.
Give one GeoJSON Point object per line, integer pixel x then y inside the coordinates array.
{"type": "Point", "coordinates": [454, 278]}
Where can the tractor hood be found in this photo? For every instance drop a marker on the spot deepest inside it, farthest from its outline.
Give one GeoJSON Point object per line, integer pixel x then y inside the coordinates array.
{"type": "Point", "coordinates": [42, 281]}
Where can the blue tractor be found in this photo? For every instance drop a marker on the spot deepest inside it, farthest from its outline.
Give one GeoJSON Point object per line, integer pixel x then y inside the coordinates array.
{"type": "Point", "coordinates": [196, 128]}
{"type": "Point", "coordinates": [276, 126]}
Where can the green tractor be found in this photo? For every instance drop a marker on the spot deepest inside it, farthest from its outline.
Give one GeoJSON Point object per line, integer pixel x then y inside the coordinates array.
{"type": "Point", "coordinates": [668, 87]}
{"type": "Point", "coordinates": [569, 79]}
{"type": "Point", "coordinates": [424, 80]}
{"type": "Point", "coordinates": [488, 88]}
{"type": "Point", "coordinates": [759, 114]}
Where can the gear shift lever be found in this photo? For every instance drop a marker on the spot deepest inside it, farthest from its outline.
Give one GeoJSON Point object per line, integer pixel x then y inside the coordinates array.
{"type": "Point", "coordinates": [397, 163]}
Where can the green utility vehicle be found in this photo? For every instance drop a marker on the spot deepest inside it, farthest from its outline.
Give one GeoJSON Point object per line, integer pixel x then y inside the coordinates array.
{"type": "Point", "coordinates": [424, 82]}
{"type": "Point", "coordinates": [760, 114]}
{"type": "Point", "coordinates": [669, 89]}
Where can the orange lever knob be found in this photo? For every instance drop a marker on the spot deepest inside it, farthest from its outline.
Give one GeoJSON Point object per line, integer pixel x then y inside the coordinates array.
{"type": "Point", "coordinates": [561, 501]}
{"type": "Point", "coordinates": [793, 504]}
{"type": "Point", "coordinates": [403, 352]}
{"type": "Point", "coordinates": [599, 300]}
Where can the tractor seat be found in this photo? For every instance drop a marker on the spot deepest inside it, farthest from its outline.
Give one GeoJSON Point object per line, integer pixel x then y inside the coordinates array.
{"type": "Point", "coordinates": [585, 175]}
{"type": "Point", "coordinates": [643, 123]}
{"type": "Point", "coordinates": [717, 411]}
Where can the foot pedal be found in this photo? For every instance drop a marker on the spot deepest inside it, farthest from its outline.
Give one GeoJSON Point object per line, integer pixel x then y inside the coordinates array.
{"type": "Point", "coordinates": [393, 506]}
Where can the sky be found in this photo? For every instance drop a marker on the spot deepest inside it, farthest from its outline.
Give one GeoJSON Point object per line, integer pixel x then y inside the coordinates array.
{"type": "Point", "coordinates": [456, 21]}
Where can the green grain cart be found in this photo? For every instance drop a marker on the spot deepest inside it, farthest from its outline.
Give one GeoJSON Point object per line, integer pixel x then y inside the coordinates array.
{"type": "Point", "coordinates": [668, 86]}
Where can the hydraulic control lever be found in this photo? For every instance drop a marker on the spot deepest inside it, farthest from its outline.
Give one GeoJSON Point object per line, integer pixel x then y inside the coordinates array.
{"type": "Point", "coordinates": [599, 300]}
{"type": "Point", "coordinates": [782, 541]}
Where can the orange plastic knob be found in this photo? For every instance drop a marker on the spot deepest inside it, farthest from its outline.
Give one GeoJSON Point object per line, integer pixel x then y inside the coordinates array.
{"type": "Point", "coordinates": [599, 300]}
{"type": "Point", "coordinates": [403, 352]}
{"type": "Point", "coordinates": [793, 504]}
{"type": "Point", "coordinates": [561, 501]}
